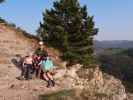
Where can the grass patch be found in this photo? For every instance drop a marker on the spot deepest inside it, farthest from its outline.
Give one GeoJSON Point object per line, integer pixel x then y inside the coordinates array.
{"type": "Point", "coordinates": [61, 95]}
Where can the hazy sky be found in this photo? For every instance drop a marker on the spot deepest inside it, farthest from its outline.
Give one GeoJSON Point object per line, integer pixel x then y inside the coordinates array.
{"type": "Point", "coordinates": [112, 17]}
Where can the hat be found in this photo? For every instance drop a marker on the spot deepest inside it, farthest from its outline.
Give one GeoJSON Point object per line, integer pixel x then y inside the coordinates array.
{"type": "Point", "coordinates": [41, 42]}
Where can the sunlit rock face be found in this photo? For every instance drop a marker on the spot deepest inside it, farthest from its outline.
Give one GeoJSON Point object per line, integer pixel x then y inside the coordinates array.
{"type": "Point", "coordinates": [13, 42]}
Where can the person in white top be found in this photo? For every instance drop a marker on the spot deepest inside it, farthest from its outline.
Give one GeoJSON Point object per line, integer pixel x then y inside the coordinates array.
{"type": "Point", "coordinates": [27, 68]}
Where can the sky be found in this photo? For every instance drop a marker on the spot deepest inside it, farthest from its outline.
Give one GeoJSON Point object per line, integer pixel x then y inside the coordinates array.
{"type": "Point", "coordinates": [112, 17]}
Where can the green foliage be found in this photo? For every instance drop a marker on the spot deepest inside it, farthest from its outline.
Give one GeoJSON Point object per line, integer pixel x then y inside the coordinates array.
{"type": "Point", "coordinates": [2, 1]}
{"type": "Point", "coordinates": [18, 29]}
{"type": "Point", "coordinates": [40, 52]}
{"type": "Point", "coordinates": [2, 20]}
{"type": "Point", "coordinates": [12, 25]}
{"type": "Point", "coordinates": [118, 64]}
{"type": "Point", "coordinates": [128, 52]}
{"type": "Point", "coordinates": [61, 95]}
{"type": "Point", "coordinates": [69, 28]}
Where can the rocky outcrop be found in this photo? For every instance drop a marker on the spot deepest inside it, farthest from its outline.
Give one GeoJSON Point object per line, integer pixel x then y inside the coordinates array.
{"type": "Point", "coordinates": [92, 84]}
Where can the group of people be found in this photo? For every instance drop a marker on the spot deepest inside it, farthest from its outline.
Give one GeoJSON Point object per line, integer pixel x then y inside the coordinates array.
{"type": "Point", "coordinates": [38, 65]}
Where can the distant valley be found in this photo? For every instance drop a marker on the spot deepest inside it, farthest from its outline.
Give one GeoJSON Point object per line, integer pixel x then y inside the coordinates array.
{"type": "Point", "coordinates": [113, 44]}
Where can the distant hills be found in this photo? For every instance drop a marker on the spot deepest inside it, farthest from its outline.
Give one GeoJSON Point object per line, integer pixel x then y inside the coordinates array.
{"type": "Point", "coordinates": [113, 44]}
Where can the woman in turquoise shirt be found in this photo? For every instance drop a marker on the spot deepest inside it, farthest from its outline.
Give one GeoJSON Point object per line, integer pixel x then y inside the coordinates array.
{"type": "Point", "coordinates": [47, 66]}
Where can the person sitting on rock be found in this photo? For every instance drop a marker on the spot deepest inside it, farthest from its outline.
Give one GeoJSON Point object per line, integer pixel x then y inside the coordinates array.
{"type": "Point", "coordinates": [47, 67]}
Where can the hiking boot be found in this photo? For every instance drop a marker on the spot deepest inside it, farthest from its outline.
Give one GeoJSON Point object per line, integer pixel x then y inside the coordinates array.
{"type": "Point", "coordinates": [28, 78]}
{"type": "Point", "coordinates": [48, 85]}
{"type": "Point", "coordinates": [20, 78]}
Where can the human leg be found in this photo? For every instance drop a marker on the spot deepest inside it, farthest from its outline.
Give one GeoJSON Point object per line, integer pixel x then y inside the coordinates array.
{"type": "Point", "coordinates": [47, 79]}
{"type": "Point", "coordinates": [50, 77]}
{"type": "Point", "coordinates": [28, 72]}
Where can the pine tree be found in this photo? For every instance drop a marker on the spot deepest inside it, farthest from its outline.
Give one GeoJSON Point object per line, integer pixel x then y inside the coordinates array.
{"type": "Point", "coordinates": [68, 27]}
{"type": "Point", "coordinates": [2, 1]}
{"type": "Point", "coordinates": [1, 20]}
